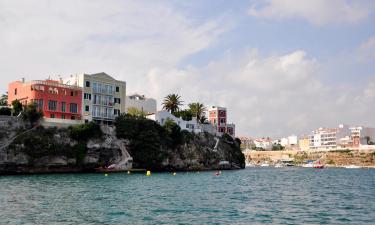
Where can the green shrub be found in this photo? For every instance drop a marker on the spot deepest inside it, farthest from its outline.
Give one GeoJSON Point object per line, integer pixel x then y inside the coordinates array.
{"type": "Point", "coordinates": [5, 111]}
{"type": "Point", "coordinates": [84, 132]}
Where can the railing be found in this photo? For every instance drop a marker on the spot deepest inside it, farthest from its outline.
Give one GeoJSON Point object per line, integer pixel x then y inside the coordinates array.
{"type": "Point", "coordinates": [55, 84]}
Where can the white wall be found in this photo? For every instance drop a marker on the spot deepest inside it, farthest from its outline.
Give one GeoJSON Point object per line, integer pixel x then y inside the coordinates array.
{"type": "Point", "coordinates": [147, 105]}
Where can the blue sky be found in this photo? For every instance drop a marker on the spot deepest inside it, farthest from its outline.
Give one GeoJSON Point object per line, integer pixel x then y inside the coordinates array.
{"type": "Point", "coordinates": [280, 66]}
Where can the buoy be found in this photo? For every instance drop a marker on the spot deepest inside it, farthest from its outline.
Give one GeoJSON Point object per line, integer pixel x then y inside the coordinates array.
{"type": "Point", "coordinates": [128, 172]}
{"type": "Point", "coordinates": [106, 175]}
{"type": "Point", "coordinates": [148, 173]}
{"type": "Point", "coordinates": [174, 174]}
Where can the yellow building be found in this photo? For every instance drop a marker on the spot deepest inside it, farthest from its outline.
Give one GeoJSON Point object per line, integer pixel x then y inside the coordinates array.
{"type": "Point", "coordinates": [304, 143]}
{"type": "Point", "coordinates": [103, 97]}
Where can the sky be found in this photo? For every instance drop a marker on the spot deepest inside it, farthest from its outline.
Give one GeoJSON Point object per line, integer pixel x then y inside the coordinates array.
{"type": "Point", "coordinates": [281, 67]}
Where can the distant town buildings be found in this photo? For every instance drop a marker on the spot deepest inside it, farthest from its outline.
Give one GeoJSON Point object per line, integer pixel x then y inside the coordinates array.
{"type": "Point", "coordinates": [140, 102]}
{"type": "Point", "coordinates": [217, 116]}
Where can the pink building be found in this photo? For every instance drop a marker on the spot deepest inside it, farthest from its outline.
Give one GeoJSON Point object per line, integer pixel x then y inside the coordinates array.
{"type": "Point", "coordinates": [217, 116]}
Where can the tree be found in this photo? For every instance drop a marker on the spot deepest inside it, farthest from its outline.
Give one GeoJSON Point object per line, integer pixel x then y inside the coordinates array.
{"type": "Point", "coordinates": [17, 107]}
{"type": "Point", "coordinates": [172, 103]}
{"type": "Point", "coordinates": [198, 110]}
{"type": "Point", "coordinates": [32, 114]}
{"type": "Point", "coordinates": [184, 114]}
{"type": "Point", "coordinates": [4, 100]}
{"type": "Point", "coordinates": [136, 112]}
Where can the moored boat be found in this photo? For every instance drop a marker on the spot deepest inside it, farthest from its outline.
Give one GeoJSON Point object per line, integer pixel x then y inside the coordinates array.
{"type": "Point", "coordinates": [352, 167]}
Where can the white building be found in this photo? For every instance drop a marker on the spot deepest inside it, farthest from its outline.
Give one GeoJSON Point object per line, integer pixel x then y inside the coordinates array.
{"type": "Point", "coordinates": [103, 97]}
{"type": "Point", "coordinates": [328, 138]}
{"type": "Point", "coordinates": [140, 102]}
{"type": "Point", "coordinates": [263, 143]}
{"type": "Point", "coordinates": [359, 135]}
{"type": "Point", "coordinates": [162, 116]}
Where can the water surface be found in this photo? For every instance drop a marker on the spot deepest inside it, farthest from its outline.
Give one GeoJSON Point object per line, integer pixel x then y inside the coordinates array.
{"type": "Point", "coordinates": [251, 196]}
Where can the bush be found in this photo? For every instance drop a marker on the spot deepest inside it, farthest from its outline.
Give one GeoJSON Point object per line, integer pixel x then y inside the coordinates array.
{"type": "Point", "coordinates": [32, 114]}
{"type": "Point", "coordinates": [5, 111]}
{"type": "Point", "coordinates": [84, 132]}
{"type": "Point", "coordinates": [147, 140]}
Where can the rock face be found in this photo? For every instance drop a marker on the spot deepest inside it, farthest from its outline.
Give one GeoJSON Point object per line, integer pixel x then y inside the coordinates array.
{"type": "Point", "coordinates": [52, 150]}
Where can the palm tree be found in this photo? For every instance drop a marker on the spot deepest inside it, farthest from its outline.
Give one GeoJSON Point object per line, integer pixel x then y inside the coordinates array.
{"type": "Point", "coordinates": [198, 110]}
{"type": "Point", "coordinates": [172, 103]}
{"type": "Point", "coordinates": [4, 99]}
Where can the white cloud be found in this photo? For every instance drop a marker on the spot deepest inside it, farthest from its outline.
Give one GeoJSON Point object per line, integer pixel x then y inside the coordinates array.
{"type": "Point", "coordinates": [366, 50]}
{"type": "Point", "coordinates": [268, 95]}
{"type": "Point", "coordinates": [123, 38]}
{"type": "Point", "coordinates": [317, 12]}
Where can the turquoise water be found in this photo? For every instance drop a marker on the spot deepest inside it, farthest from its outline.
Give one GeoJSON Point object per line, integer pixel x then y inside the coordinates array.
{"type": "Point", "coordinates": [251, 196]}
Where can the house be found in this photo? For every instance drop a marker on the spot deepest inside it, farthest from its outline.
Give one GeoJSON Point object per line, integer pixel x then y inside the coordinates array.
{"type": "Point", "coordinates": [162, 116]}
{"type": "Point", "coordinates": [103, 97]}
{"type": "Point", "coordinates": [140, 102]}
{"type": "Point", "coordinates": [328, 138]}
{"type": "Point", "coordinates": [59, 102]}
{"type": "Point", "coordinates": [217, 116]}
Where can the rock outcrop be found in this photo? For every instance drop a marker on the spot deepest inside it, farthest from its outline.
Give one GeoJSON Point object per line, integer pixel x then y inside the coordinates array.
{"type": "Point", "coordinates": [53, 150]}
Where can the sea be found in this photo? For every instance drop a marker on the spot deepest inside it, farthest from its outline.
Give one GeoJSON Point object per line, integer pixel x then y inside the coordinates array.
{"type": "Point", "coordinates": [249, 196]}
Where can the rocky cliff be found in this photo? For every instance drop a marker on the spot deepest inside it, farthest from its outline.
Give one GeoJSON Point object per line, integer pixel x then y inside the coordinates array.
{"type": "Point", "coordinates": [44, 150]}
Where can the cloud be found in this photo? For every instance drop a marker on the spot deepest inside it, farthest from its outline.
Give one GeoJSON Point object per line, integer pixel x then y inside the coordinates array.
{"type": "Point", "coordinates": [316, 12]}
{"type": "Point", "coordinates": [366, 50]}
{"type": "Point", "coordinates": [123, 38]}
{"type": "Point", "coordinates": [273, 95]}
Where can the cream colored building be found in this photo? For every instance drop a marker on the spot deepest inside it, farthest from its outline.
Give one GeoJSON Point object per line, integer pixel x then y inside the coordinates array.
{"type": "Point", "coordinates": [304, 143]}
{"type": "Point", "coordinates": [103, 97]}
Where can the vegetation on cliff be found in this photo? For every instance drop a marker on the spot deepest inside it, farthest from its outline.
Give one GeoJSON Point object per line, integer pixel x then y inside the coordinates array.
{"type": "Point", "coordinates": [158, 147]}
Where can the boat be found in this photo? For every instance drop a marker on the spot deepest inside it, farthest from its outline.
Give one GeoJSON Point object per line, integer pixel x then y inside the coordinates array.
{"type": "Point", "coordinates": [318, 166]}
{"type": "Point", "coordinates": [352, 167]}
{"type": "Point", "coordinates": [249, 165]}
{"type": "Point", "coordinates": [265, 164]}
{"type": "Point", "coordinates": [279, 165]}
{"type": "Point", "coordinates": [308, 165]}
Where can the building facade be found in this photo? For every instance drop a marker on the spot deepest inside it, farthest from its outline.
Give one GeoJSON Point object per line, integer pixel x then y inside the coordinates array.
{"type": "Point", "coordinates": [329, 138]}
{"type": "Point", "coordinates": [103, 97]}
{"type": "Point", "coordinates": [217, 116]}
{"type": "Point", "coordinates": [162, 116]}
{"type": "Point", "coordinates": [360, 135]}
{"type": "Point", "coordinates": [55, 99]}
{"type": "Point", "coordinates": [304, 143]}
{"type": "Point", "coordinates": [140, 102]}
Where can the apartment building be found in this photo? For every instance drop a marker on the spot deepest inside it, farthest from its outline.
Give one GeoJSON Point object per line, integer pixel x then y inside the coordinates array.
{"type": "Point", "coordinates": [217, 116]}
{"type": "Point", "coordinates": [360, 135]}
{"type": "Point", "coordinates": [56, 100]}
{"type": "Point", "coordinates": [103, 97]}
{"type": "Point", "coordinates": [329, 138]}
{"type": "Point", "coordinates": [140, 102]}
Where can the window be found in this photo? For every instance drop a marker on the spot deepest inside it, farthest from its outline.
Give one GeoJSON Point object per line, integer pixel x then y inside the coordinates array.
{"type": "Point", "coordinates": [52, 105]}
{"type": "Point", "coordinates": [63, 106]}
{"type": "Point", "coordinates": [39, 103]}
{"type": "Point", "coordinates": [87, 83]}
{"type": "Point", "coordinates": [73, 117]}
{"type": "Point", "coordinates": [63, 117]}
{"type": "Point", "coordinates": [73, 108]}
{"type": "Point", "coordinates": [52, 115]}
{"type": "Point", "coordinates": [15, 91]}
{"type": "Point", "coordinates": [117, 100]}
{"type": "Point", "coordinates": [87, 96]}
{"type": "Point", "coordinates": [117, 112]}
{"type": "Point", "coordinates": [222, 120]}
{"type": "Point", "coordinates": [71, 93]}
{"type": "Point", "coordinates": [95, 87]}
{"type": "Point", "coordinates": [87, 108]}
{"type": "Point", "coordinates": [117, 89]}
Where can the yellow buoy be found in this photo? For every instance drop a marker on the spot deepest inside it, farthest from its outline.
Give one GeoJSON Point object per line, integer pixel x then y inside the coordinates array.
{"type": "Point", "coordinates": [106, 175]}
{"type": "Point", "coordinates": [174, 174]}
{"type": "Point", "coordinates": [128, 172]}
{"type": "Point", "coordinates": [148, 173]}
